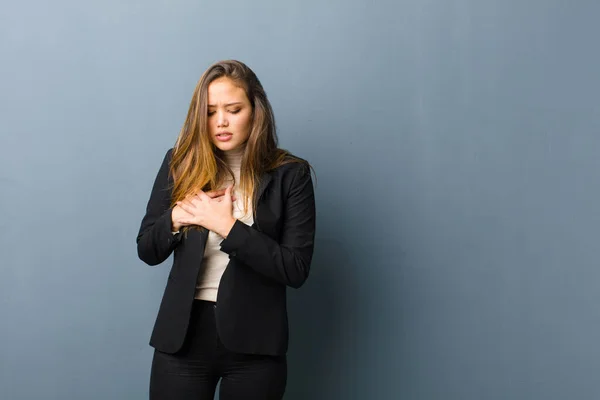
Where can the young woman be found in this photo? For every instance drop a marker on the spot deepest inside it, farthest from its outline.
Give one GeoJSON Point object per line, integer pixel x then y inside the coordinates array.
{"type": "Point", "coordinates": [238, 214]}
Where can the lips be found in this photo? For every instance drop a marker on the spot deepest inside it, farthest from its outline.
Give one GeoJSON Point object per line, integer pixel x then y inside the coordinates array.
{"type": "Point", "coordinates": [224, 136]}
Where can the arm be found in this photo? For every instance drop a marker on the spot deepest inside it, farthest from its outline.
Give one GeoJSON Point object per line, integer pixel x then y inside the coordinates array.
{"type": "Point", "coordinates": [287, 261]}
{"type": "Point", "coordinates": [155, 240]}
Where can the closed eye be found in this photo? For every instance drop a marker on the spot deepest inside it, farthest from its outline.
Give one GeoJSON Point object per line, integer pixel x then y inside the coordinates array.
{"type": "Point", "coordinates": [209, 113]}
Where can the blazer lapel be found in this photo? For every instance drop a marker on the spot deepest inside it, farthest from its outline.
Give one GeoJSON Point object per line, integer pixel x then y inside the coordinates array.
{"type": "Point", "coordinates": [198, 238]}
{"type": "Point", "coordinates": [264, 181]}
{"type": "Point", "coordinates": [259, 212]}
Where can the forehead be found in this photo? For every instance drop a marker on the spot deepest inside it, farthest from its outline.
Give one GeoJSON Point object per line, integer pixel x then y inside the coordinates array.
{"type": "Point", "coordinates": [224, 90]}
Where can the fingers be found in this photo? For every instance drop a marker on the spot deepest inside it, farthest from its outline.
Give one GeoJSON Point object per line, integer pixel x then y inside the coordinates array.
{"type": "Point", "coordinates": [215, 193]}
{"type": "Point", "coordinates": [189, 199]}
{"type": "Point", "coordinates": [186, 206]}
{"type": "Point", "coordinates": [181, 210]}
{"type": "Point", "coordinates": [217, 196]}
{"type": "Point", "coordinates": [202, 196]}
{"type": "Point", "coordinates": [228, 193]}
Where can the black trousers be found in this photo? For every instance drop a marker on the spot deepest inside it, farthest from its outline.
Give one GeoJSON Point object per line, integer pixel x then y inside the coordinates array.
{"type": "Point", "coordinates": [194, 371]}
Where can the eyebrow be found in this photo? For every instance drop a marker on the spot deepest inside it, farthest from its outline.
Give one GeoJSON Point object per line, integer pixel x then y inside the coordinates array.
{"type": "Point", "coordinates": [228, 104]}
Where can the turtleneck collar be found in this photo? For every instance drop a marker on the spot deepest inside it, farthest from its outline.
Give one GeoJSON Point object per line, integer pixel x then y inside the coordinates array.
{"type": "Point", "coordinates": [233, 158]}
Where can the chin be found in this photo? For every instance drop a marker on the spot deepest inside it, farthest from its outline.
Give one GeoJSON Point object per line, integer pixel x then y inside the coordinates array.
{"type": "Point", "coordinates": [226, 146]}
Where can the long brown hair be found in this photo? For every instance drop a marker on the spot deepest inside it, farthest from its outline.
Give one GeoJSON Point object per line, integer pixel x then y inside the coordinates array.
{"type": "Point", "coordinates": [198, 165]}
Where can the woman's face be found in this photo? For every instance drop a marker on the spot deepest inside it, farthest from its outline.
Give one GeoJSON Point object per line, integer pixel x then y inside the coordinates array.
{"type": "Point", "coordinates": [229, 114]}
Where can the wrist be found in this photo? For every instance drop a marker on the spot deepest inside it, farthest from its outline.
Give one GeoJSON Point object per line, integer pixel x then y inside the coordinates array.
{"type": "Point", "coordinates": [227, 226]}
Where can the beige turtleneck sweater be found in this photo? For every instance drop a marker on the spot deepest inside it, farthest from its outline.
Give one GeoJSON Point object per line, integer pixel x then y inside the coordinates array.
{"type": "Point", "coordinates": [215, 261]}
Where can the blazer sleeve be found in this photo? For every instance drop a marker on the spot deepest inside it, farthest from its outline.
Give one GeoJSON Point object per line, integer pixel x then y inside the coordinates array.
{"type": "Point", "coordinates": [155, 241]}
{"type": "Point", "coordinates": [288, 260]}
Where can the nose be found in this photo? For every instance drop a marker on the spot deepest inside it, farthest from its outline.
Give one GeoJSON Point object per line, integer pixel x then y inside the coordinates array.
{"type": "Point", "coordinates": [221, 119]}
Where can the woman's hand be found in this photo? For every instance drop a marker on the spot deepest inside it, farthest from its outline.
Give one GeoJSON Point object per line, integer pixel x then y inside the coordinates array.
{"type": "Point", "coordinates": [212, 210]}
{"type": "Point", "coordinates": [177, 217]}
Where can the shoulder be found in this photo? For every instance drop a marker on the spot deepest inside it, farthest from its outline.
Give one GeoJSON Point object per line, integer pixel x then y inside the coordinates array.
{"type": "Point", "coordinates": [166, 162]}
{"type": "Point", "coordinates": [293, 174]}
{"type": "Point", "coordinates": [164, 172]}
{"type": "Point", "coordinates": [167, 157]}
{"type": "Point", "coordinates": [292, 166]}
{"type": "Point", "coordinates": [169, 154]}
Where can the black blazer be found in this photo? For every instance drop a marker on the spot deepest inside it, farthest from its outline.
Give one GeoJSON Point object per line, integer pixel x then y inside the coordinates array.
{"type": "Point", "coordinates": [265, 258]}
